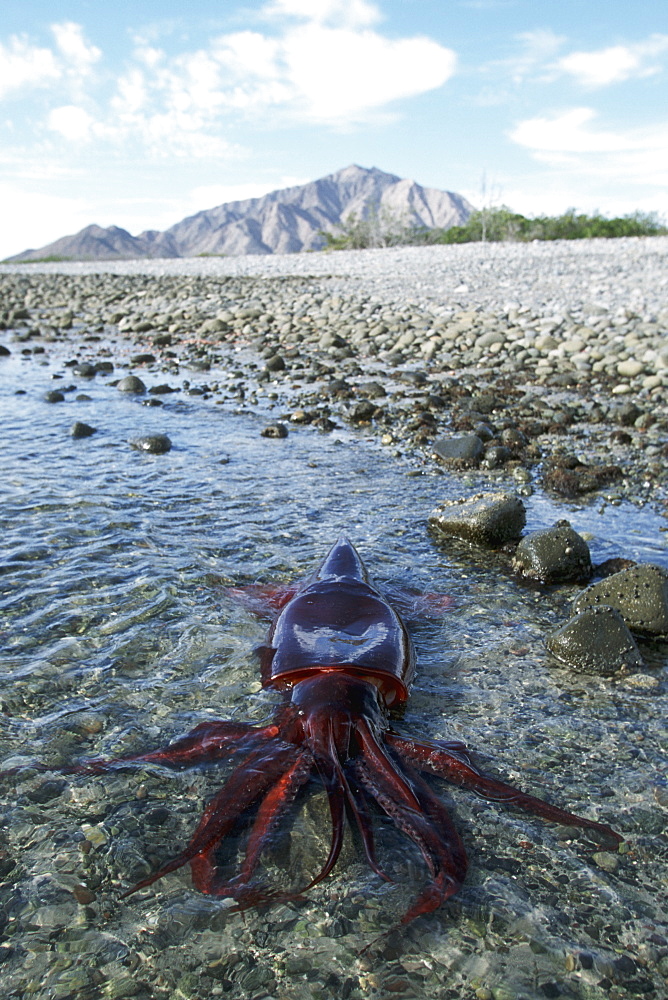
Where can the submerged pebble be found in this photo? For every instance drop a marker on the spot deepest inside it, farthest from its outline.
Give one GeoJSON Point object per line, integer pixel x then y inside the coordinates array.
{"type": "Point", "coordinates": [156, 444]}
{"type": "Point", "coordinates": [277, 430]}
{"type": "Point", "coordinates": [82, 430]}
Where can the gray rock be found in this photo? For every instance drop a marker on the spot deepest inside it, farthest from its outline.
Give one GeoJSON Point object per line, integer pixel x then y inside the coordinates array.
{"type": "Point", "coordinates": [4, 351]}
{"type": "Point", "coordinates": [81, 430]}
{"type": "Point", "coordinates": [553, 554]}
{"type": "Point", "coordinates": [85, 369]}
{"type": "Point", "coordinates": [54, 396]}
{"type": "Point", "coordinates": [131, 384]}
{"type": "Point", "coordinates": [275, 364]}
{"type": "Point", "coordinates": [640, 594]}
{"type": "Point", "coordinates": [156, 444]}
{"type": "Point", "coordinates": [466, 448]}
{"type": "Point", "coordinates": [142, 359]}
{"type": "Point", "coordinates": [595, 641]}
{"type": "Point", "coordinates": [489, 519]}
{"type": "Point", "coordinates": [275, 431]}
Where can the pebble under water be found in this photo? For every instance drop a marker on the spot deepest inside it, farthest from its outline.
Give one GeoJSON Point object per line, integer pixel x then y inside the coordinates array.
{"type": "Point", "coordinates": [119, 634]}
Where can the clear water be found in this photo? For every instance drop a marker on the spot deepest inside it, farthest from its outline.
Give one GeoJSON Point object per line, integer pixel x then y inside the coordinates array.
{"type": "Point", "coordinates": [119, 634]}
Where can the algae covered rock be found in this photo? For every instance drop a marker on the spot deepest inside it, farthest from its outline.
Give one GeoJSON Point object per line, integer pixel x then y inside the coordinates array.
{"type": "Point", "coordinates": [553, 554]}
{"type": "Point", "coordinates": [640, 594]}
{"type": "Point", "coordinates": [489, 519]}
{"type": "Point", "coordinates": [596, 641]}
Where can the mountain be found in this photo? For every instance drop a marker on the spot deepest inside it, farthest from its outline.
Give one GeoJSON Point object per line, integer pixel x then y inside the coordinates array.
{"type": "Point", "coordinates": [285, 221]}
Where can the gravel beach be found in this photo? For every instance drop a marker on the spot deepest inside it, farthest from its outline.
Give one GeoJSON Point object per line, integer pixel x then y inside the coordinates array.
{"type": "Point", "coordinates": [176, 430]}
{"type": "Point", "coordinates": [554, 356]}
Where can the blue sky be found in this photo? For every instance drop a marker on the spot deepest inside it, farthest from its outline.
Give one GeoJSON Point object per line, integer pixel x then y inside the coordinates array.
{"type": "Point", "coordinates": [140, 113]}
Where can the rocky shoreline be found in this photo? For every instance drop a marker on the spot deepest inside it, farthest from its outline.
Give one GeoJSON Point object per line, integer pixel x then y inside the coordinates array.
{"type": "Point", "coordinates": [573, 394]}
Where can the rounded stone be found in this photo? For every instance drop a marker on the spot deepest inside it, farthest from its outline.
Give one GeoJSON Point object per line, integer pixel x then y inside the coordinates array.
{"type": "Point", "coordinates": [553, 554]}
{"type": "Point", "coordinates": [85, 369]}
{"type": "Point", "coordinates": [54, 396]}
{"type": "Point", "coordinates": [639, 593]}
{"type": "Point", "coordinates": [4, 351]}
{"type": "Point", "coordinates": [467, 448]}
{"type": "Point", "coordinates": [595, 641]}
{"type": "Point", "coordinates": [275, 431]}
{"type": "Point", "coordinates": [489, 519]}
{"type": "Point", "coordinates": [131, 384]}
{"type": "Point", "coordinates": [275, 364]}
{"type": "Point", "coordinates": [81, 430]}
{"type": "Point", "coordinates": [155, 444]}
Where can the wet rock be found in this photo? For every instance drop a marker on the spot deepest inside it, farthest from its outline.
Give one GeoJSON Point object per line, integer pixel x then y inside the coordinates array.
{"type": "Point", "coordinates": [54, 396]}
{"type": "Point", "coordinates": [466, 449]}
{"type": "Point", "coordinates": [85, 369]}
{"type": "Point", "coordinates": [155, 444]}
{"type": "Point", "coordinates": [104, 367]}
{"type": "Point", "coordinates": [496, 455]}
{"type": "Point", "coordinates": [161, 390]}
{"type": "Point", "coordinates": [81, 430]}
{"type": "Point", "coordinates": [553, 554]}
{"type": "Point", "coordinates": [277, 430]}
{"type": "Point", "coordinates": [595, 641]}
{"type": "Point", "coordinates": [640, 594]}
{"type": "Point", "coordinates": [275, 364]}
{"type": "Point", "coordinates": [490, 519]}
{"type": "Point", "coordinates": [4, 351]}
{"type": "Point", "coordinates": [363, 412]}
{"type": "Point", "coordinates": [131, 384]}
{"type": "Point", "coordinates": [142, 359]}
{"type": "Point", "coordinates": [570, 477]}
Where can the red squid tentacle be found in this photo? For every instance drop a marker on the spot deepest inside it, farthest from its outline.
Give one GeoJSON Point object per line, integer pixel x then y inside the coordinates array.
{"type": "Point", "coordinates": [424, 826]}
{"type": "Point", "coordinates": [355, 799]}
{"type": "Point", "coordinates": [246, 783]}
{"type": "Point", "coordinates": [455, 769]}
{"type": "Point", "coordinates": [359, 807]}
{"type": "Point", "coordinates": [456, 866]}
{"type": "Point", "coordinates": [381, 763]}
{"type": "Point", "coordinates": [207, 742]}
{"type": "Point", "coordinates": [274, 804]}
{"type": "Point", "coordinates": [329, 769]}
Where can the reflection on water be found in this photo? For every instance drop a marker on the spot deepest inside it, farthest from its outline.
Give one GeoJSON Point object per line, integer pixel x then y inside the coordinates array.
{"type": "Point", "coordinates": [119, 634]}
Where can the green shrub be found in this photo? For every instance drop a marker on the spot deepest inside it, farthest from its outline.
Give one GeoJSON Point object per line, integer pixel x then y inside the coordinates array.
{"type": "Point", "coordinates": [493, 225]}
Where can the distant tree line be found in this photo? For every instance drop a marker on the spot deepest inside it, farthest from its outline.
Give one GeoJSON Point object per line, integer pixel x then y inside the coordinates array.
{"type": "Point", "coordinates": [493, 225]}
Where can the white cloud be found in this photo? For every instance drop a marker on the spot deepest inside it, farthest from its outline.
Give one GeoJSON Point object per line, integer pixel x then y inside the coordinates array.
{"type": "Point", "coordinates": [536, 49]}
{"type": "Point", "coordinates": [317, 62]}
{"type": "Point", "coordinates": [78, 53]}
{"type": "Point", "coordinates": [633, 159]}
{"type": "Point", "coordinates": [324, 65]}
{"type": "Point", "coordinates": [71, 122]}
{"type": "Point", "coordinates": [568, 133]}
{"type": "Point", "coordinates": [25, 65]}
{"type": "Point", "coordinates": [615, 63]}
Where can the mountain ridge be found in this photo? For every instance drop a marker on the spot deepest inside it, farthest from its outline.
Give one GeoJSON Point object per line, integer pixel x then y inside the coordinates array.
{"type": "Point", "coordinates": [288, 220]}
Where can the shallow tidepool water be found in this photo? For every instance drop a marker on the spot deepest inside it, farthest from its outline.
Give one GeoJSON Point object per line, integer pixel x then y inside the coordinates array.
{"type": "Point", "coordinates": [119, 634]}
